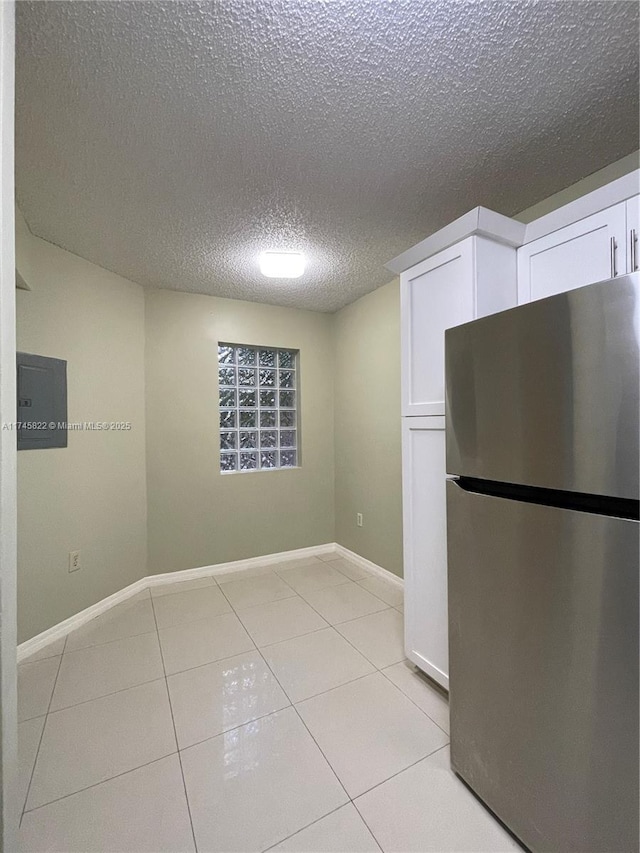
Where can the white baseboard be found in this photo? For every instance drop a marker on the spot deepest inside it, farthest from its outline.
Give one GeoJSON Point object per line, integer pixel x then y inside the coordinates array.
{"type": "Point", "coordinates": [30, 647]}
{"type": "Point", "coordinates": [367, 564]}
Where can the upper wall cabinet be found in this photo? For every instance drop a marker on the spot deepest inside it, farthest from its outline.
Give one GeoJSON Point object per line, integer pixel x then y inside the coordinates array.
{"type": "Point", "coordinates": [593, 249]}
{"type": "Point", "coordinates": [474, 277]}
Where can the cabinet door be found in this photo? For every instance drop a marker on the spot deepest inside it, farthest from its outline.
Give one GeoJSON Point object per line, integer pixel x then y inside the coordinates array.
{"type": "Point", "coordinates": [435, 294]}
{"type": "Point", "coordinates": [633, 232]}
{"type": "Point", "coordinates": [587, 251]}
{"type": "Point", "coordinates": [425, 546]}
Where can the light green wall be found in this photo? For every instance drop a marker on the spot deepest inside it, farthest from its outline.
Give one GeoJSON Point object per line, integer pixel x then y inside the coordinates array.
{"type": "Point", "coordinates": [196, 516]}
{"type": "Point", "coordinates": [367, 427]}
{"type": "Point", "coordinates": [586, 185]}
{"type": "Point", "coordinates": [91, 495]}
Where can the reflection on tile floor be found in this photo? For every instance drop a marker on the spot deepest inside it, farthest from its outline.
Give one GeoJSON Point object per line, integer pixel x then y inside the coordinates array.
{"type": "Point", "coordinates": [265, 710]}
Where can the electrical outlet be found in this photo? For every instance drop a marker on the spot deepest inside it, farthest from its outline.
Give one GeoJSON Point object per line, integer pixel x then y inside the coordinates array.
{"type": "Point", "coordinates": [74, 561]}
{"type": "Point", "coordinates": [359, 519]}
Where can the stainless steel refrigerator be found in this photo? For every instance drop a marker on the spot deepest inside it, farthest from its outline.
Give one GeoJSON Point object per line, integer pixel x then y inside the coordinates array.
{"type": "Point", "coordinates": [543, 544]}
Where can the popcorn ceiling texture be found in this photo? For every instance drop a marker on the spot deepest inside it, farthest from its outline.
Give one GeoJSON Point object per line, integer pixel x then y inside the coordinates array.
{"type": "Point", "coordinates": [172, 142]}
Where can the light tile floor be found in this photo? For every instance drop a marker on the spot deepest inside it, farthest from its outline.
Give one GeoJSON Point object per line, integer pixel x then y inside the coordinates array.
{"type": "Point", "coordinates": [270, 709]}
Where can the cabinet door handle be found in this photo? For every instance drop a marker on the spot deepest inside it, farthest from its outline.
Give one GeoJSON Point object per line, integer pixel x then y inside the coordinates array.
{"type": "Point", "coordinates": [613, 246]}
{"type": "Point", "coordinates": [633, 238]}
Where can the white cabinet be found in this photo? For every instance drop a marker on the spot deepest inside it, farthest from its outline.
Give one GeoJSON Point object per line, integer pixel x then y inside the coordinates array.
{"type": "Point", "coordinates": [425, 545]}
{"type": "Point", "coordinates": [633, 232]}
{"type": "Point", "coordinates": [587, 251]}
{"type": "Point", "coordinates": [476, 276]}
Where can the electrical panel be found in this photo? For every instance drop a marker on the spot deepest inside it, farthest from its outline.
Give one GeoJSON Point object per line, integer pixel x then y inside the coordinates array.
{"type": "Point", "coordinates": [42, 402]}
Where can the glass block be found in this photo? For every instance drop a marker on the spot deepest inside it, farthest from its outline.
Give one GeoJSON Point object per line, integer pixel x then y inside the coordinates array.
{"type": "Point", "coordinates": [287, 438]}
{"type": "Point", "coordinates": [267, 398]}
{"type": "Point", "coordinates": [228, 461]}
{"type": "Point", "coordinates": [226, 354]}
{"type": "Point", "coordinates": [248, 461]}
{"type": "Point", "coordinates": [227, 398]}
{"type": "Point", "coordinates": [248, 439]}
{"type": "Point", "coordinates": [287, 358]}
{"type": "Point", "coordinates": [287, 458]}
{"type": "Point", "coordinates": [246, 355]}
{"type": "Point", "coordinates": [267, 358]}
{"type": "Point", "coordinates": [287, 399]}
{"type": "Point", "coordinates": [228, 440]}
{"type": "Point", "coordinates": [227, 419]}
{"type": "Point", "coordinates": [247, 399]}
{"type": "Point", "coordinates": [227, 376]}
{"type": "Point", "coordinates": [247, 419]}
{"type": "Point", "coordinates": [268, 378]}
{"type": "Point", "coordinates": [246, 376]}
{"type": "Point", "coordinates": [268, 419]}
{"type": "Point", "coordinates": [287, 419]}
{"type": "Point", "coordinates": [287, 379]}
{"type": "Point", "coordinates": [268, 438]}
{"type": "Point", "coordinates": [268, 459]}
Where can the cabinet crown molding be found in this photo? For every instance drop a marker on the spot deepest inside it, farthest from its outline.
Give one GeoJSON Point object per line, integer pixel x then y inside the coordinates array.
{"type": "Point", "coordinates": [479, 221]}
{"type": "Point", "coordinates": [610, 194]}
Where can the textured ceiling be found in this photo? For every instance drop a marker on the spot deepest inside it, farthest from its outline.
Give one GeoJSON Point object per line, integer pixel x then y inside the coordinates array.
{"type": "Point", "coordinates": [173, 142]}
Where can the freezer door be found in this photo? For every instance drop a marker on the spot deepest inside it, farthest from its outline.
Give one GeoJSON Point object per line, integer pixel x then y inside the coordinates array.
{"type": "Point", "coordinates": [543, 679]}
{"type": "Point", "coordinates": [547, 394]}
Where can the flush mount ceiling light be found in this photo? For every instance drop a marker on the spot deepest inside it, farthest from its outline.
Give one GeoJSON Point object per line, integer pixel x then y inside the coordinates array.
{"type": "Point", "coordinates": [282, 264]}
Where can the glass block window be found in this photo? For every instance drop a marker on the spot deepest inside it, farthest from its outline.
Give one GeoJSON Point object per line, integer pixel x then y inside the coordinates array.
{"type": "Point", "coordinates": [258, 398]}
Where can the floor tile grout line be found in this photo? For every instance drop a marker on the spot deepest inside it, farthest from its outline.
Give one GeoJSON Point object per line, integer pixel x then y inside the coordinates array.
{"type": "Point", "coordinates": [390, 606]}
{"type": "Point", "coordinates": [331, 689]}
{"type": "Point", "coordinates": [35, 760]}
{"type": "Point", "coordinates": [110, 610]}
{"type": "Point", "coordinates": [343, 621]}
{"type": "Point", "coordinates": [97, 784]}
{"type": "Point", "coordinates": [382, 672]}
{"type": "Point", "coordinates": [302, 828]}
{"type": "Point", "coordinates": [107, 642]}
{"type": "Point", "coordinates": [179, 583]}
{"type": "Point", "coordinates": [344, 580]}
{"type": "Point", "coordinates": [237, 613]}
{"type": "Point", "coordinates": [367, 615]}
{"type": "Point", "coordinates": [351, 800]}
{"type": "Point", "coordinates": [235, 728]}
{"type": "Point", "coordinates": [346, 639]}
{"type": "Point", "coordinates": [294, 594]}
{"type": "Point", "coordinates": [293, 704]}
{"type": "Point", "coordinates": [398, 772]}
{"type": "Point", "coordinates": [373, 593]}
{"type": "Point", "coordinates": [106, 695]}
{"type": "Point", "coordinates": [169, 754]}
{"type": "Point", "coordinates": [277, 680]}
{"type": "Point", "coordinates": [175, 731]}
{"type": "Point", "coordinates": [373, 663]}
{"type": "Point", "coordinates": [295, 636]}
{"type": "Point", "coordinates": [176, 752]}
{"type": "Point", "coordinates": [329, 626]}
{"type": "Point", "coordinates": [362, 818]}
{"type": "Point", "coordinates": [138, 684]}
{"type": "Point", "coordinates": [331, 767]}
{"type": "Point", "coordinates": [211, 662]}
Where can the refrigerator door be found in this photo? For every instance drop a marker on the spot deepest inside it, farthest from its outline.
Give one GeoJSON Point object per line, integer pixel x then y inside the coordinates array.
{"type": "Point", "coordinates": [547, 394]}
{"type": "Point", "coordinates": [543, 646]}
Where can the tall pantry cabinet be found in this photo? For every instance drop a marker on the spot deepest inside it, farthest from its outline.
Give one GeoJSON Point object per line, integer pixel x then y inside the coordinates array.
{"type": "Point", "coordinates": [465, 271]}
